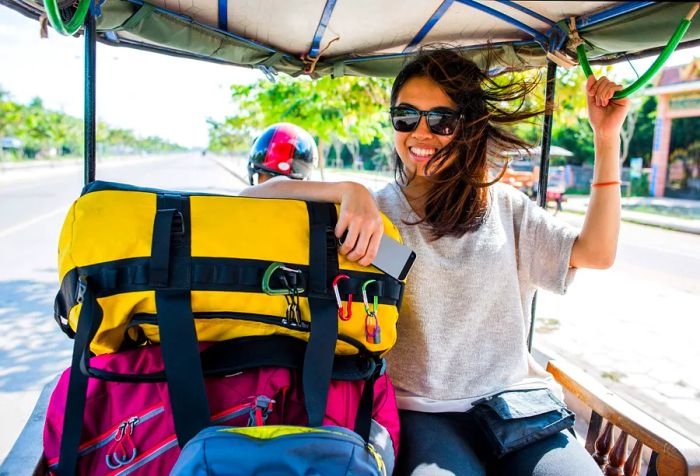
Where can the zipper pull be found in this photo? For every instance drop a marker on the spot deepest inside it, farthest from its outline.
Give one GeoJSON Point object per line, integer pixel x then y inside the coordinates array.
{"type": "Point", "coordinates": [261, 410]}
{"type": "Point", "coordinates": [118, 454]}
{"type": "Point", "coordinates": [81, 289]}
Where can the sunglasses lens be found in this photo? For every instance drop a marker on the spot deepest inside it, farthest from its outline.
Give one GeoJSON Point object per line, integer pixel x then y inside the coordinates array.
{"type": "Point", "coordinates": [442, 123]}
{"type": "Point", "coordinates": [404, 120]}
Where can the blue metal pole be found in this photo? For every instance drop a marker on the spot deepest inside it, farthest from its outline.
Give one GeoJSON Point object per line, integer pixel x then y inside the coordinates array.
{"type": "Point", "coordinates": [544, 166]}
{"type": "Point", "coordinates": [321, 29]}
{"type": "Point", "coordinates": [222, 13]}
{"type": "Point", "coordinates": [502, 16]}
{"type": "Point", "coordinates": [428, 25]}
{"type": "Point", "coordinates": [527, 11]}
{"type": "Point", "coordinates": [614, 12]}
{"type": "Point", "coordinates": [90, 92]}
{"type": "Point", "coordinates": [547, 133]}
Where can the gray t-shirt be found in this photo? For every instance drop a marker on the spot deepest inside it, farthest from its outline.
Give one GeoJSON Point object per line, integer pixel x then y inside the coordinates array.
{"type": "Point", "coordinates": [462, 330]}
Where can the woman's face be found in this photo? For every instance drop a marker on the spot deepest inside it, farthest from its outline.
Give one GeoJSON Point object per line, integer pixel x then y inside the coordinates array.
{"type": "Point", "coordinates": [417, 147]}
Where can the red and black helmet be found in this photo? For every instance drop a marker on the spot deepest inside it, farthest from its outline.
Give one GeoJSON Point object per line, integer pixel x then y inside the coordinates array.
{"type": "Point", "coordinates": [283, 149]}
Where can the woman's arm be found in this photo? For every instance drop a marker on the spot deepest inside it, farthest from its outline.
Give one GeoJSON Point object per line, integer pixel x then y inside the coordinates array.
{"type": "Point", "coordinates": [596, 246]}
{"type": "Point", "coordinates": [359, 215]}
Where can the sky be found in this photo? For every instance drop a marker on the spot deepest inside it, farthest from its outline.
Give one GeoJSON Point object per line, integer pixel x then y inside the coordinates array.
{"type": "Point", "coordinates": [149, 93]}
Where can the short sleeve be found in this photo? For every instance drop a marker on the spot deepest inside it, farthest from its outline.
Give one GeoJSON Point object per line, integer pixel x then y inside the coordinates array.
{"type": "Point", "coordinates": [544, 248]}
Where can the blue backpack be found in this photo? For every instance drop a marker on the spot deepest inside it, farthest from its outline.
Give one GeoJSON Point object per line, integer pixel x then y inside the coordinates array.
{"type": "Point", "coordinates": [275, 450]}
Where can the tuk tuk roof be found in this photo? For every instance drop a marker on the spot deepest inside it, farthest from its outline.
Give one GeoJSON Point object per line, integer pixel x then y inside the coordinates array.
{"type": "Point", "coordinates": [370, 37]}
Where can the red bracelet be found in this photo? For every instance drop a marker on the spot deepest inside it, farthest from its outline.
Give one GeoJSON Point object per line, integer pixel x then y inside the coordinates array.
{"type": "Point", "coordinates": [605, 184]}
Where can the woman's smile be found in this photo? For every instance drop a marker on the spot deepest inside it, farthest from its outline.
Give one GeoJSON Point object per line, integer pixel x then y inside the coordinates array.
{"type": "Point", "coordinates": [421, 153]}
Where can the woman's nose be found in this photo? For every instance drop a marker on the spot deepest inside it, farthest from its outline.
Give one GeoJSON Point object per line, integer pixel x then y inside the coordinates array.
{"type": "Point", "coordinates": [422, 129]}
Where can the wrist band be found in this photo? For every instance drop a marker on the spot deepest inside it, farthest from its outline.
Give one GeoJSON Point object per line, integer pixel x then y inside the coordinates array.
{"type": "Point", "coordinates": [605, 184]}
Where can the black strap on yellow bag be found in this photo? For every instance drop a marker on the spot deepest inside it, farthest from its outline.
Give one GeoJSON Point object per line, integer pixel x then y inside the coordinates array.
{"type": "Point", "coordinates": [323, 265]}
{"type": "Point", "coordinates": [178, 337]}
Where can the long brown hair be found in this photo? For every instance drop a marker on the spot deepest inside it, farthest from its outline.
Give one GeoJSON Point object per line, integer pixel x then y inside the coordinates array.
{"type": "Point", "coordinates": [457, 199]}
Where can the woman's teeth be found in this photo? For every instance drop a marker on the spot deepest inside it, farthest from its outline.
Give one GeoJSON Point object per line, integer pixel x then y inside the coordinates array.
{"type": "Point", "coordinates": [421, 152]}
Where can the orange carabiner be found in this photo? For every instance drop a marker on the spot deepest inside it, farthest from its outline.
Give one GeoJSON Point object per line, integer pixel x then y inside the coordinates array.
{"type": "Point", "coordinates": [343, 314]}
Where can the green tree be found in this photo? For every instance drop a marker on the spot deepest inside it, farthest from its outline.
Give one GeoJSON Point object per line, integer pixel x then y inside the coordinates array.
{"type": "Point", "coordinates": [233, 134]}
{"type": "Point", "coordinates": [43, 131]}
{"type": "Point", "coordinates": [643, 138]}
{"type": "Point", "coordinates": [348, 110]}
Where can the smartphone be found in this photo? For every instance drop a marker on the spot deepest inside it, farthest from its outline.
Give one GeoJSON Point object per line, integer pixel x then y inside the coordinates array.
{"type": "Point", "coordinates": [394, 258]}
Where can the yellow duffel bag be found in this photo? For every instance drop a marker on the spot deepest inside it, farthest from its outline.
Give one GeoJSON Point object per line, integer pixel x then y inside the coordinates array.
{"type": "Point", "coordinates": [238, 266]}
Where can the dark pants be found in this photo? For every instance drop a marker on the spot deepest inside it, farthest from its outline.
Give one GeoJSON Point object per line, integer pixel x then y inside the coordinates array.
{"type": "Point", "coordinates": [446, 444]}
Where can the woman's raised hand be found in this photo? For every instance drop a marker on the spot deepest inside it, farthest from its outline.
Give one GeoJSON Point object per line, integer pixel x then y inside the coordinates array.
{"type": "Point", "coordinates": [606, 114]}
{"type": "Point", "coordinates": [359, 224]}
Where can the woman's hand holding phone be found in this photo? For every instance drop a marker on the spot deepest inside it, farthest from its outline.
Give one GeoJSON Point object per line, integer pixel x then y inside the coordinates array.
{"type": "Point", "coordinates": [359, 224]}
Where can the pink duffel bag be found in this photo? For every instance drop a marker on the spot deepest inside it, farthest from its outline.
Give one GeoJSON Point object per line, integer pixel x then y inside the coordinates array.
{"type": "Point", "coordinates": [128, 426]}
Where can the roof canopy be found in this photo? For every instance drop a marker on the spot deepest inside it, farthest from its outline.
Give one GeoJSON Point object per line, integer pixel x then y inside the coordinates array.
{"type": "Point", "coordinates": [373, 37]}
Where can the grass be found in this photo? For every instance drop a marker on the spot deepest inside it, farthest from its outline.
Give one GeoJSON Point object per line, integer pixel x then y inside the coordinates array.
{"type": "Point", "coordinates": [613, 375]}
{"type": "Point", "coordinates": [670, 211]}
{"type": "Point", "coordinates": [547, 325]}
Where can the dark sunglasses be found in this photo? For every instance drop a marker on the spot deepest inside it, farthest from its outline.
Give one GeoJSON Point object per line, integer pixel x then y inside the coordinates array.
{"type": "Point", "coordinates": [442, 122]}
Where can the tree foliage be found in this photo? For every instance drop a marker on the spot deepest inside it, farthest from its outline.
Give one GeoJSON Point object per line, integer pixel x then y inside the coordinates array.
{"type": "Point", "coordinates": [44, 132]}
{"type": "Point", "coordinates": [571, 129]}
{"type": "Point", "coordinates": [337, 111]}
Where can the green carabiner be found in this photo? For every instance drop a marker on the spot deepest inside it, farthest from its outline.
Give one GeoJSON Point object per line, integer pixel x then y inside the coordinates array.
{"type": "Point", "coordinates": [366, 301]}
{"type": "Point", "coordinates": [267, 289]}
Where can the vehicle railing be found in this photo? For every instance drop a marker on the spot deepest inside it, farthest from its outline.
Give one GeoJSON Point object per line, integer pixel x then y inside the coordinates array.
{"type": "Point", "coordinates": [616, 425]}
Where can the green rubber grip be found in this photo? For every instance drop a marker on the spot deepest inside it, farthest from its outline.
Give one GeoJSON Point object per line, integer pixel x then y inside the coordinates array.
{"type": "Point", "coordinates": [74, 24]}
{"type": "Point", "coordinates": [653, 69]}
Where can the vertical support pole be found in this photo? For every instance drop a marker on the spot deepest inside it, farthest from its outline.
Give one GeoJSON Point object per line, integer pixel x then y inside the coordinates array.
{"type": "Point", "coordinates": [661, 146]}
{"type": "Point", "coordinates": [546, 133]}
{"type": "Point", "coordinates": [90, 92]}
{"type": "Point", "coordinates": [544, 166]}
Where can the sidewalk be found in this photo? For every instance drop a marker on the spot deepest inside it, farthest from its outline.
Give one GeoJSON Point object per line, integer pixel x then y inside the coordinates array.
{"type": "Point", "coordinates": [579, 203]}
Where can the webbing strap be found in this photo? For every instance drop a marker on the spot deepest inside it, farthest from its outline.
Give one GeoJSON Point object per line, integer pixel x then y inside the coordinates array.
{"type": "Point", "coordinates": [88, 322]}
{"type": "Point", "coordinates": [178, 335]}
{"type": "Point", "coordinates": [182, 364]}
{"type": "Point", "coordinates": [160, 247]}
{"type": "Point", "coordinates": [208, 274]}
{"type": "Point", "coordinates": [363, 419]}
{"type": "Point", "coordinates": [320, 351]}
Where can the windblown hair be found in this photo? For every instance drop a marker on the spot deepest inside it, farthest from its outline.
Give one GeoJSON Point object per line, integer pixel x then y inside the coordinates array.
{"type": "Point", "coordinates": [457, 199]}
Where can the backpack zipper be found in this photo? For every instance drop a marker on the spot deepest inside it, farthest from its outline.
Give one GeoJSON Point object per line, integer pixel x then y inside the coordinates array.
{"type": "Point", "coordinates": [258, 411]}
{"type": "Point", "coordinates": [260, 407]}
{"type": "Point", "coordinates": [144, 318]}
{"type": "Point", "coordinates": [304, 326]}
{"type": "Point", "coordinates": [109, 436]}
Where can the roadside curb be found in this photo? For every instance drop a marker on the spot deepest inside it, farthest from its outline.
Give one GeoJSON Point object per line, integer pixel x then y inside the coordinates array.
{"type": "Point", "coordinates": [639, 218]}
{"type": "Point", "coordinates": [227, 167]}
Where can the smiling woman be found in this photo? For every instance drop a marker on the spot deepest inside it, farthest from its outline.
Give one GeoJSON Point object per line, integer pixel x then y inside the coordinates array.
{"type": "Point", "coordinates": [482, 250]}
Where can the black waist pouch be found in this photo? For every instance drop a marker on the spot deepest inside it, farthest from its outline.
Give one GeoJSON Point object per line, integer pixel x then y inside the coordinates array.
{"type": "Point", "coordinates": [514, 419]}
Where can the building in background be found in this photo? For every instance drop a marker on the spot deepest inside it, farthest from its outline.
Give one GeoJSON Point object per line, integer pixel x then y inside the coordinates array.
{"type": "Point", "coordinates": [676, 173]}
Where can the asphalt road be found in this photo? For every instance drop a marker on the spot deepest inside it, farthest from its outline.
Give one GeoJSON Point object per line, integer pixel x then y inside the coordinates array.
{"type": "Point", "coordinates": [634, 326]}
{"type": "Point", "coordinates": [33, 205]}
